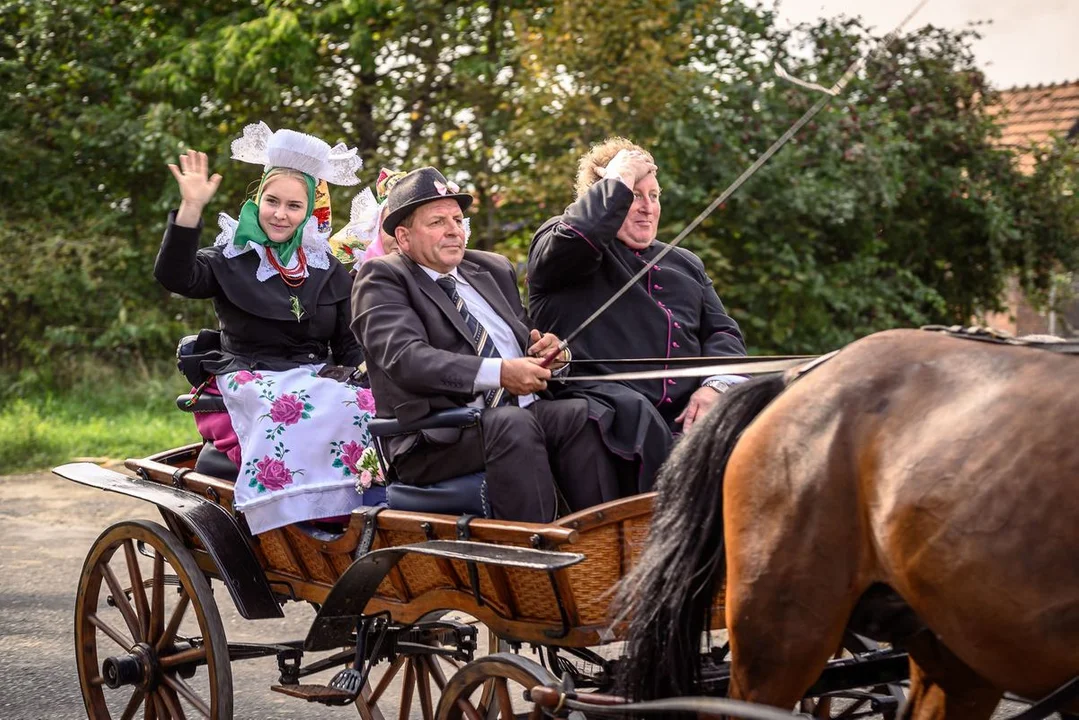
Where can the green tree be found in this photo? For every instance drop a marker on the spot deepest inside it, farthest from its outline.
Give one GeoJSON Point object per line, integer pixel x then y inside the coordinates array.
{"type": "Point", "coordinates": [896, 206]}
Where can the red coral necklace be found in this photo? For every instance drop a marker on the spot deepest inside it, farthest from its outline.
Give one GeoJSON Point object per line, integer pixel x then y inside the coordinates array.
{"type": "Point", "coordinates": [294, 277]}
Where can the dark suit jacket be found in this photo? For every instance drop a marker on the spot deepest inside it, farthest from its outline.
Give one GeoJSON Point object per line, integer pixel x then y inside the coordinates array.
{"type": "Point", "coordinates": [420, 356]}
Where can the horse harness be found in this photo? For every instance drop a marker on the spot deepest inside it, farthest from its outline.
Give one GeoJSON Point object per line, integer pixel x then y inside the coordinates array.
{"type": "Point", "coordinates": [1000, 337]}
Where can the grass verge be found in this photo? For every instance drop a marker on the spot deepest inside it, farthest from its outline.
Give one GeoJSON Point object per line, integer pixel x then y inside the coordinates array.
{"type": "Point", "coordinates": [112, 417]}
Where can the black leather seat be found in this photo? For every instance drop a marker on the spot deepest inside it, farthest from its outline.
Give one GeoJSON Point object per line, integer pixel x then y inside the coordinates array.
{"type": "Point", "coordinates": [464, 495]}
{"type": "Point", "coordinates": [215, 463]}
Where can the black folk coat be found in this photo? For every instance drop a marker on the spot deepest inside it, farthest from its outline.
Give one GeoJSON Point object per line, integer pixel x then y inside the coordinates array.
{"type": "Point", "coordinates": [259, 329]}
{"type": "Point", "coordinates": [575, 264]}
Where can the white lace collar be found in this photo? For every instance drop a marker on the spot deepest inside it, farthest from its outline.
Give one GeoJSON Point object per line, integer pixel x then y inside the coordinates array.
{"type": "Point", "coordinates": [316, 247]}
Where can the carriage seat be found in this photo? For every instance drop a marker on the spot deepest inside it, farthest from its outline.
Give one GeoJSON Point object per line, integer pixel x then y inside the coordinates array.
{"type": "Point", "coordinates": [213, 462]}
{"type": "Point", "coordinates": [463, 495]}
{"type": "Point", "coordinates": [210, 460]}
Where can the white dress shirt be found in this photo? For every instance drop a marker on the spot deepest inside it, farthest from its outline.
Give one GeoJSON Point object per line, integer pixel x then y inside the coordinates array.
{"type": "Point", "coordinates": [489, 376]}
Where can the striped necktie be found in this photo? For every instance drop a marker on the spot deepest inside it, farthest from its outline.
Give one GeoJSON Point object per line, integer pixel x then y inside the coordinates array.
{"type": "Point", "coordinates": [485, 347]}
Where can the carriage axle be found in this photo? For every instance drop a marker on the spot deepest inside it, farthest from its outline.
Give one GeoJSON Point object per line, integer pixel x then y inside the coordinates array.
{"type": "Point", "coordinates": [142, 665]}
{"type": "Point", "coordinates": [129, 669]}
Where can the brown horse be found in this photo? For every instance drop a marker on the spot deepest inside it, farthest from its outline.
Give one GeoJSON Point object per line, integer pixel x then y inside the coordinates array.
{"type": "Point", "coordinates": [938, 471]}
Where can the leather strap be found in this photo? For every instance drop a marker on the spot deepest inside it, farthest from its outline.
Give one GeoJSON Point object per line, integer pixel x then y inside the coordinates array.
{"type": "Point", "coordinates": [370, 524]}
{"type": "Point", "coordinates": [464, 533]}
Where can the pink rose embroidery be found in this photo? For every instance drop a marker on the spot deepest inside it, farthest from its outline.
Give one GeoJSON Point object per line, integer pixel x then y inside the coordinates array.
{"type": "Point", "coordinates": [351, 452]}
{"type": "Point", "coordinates": [245, 376]}
{"type": "Point", "coordinates": [273, 474]}
{"type": "Point", "coordinates": [287, 409]}
{"type": "Point", "coordinates": [365, 400]}
{"type": "Point", "coordinates": [365, 479]}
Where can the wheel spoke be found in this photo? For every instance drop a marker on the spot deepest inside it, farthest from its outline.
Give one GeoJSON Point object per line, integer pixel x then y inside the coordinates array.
{"type": "Point", "coordinates": [487, 698]}
{"type": "Point", "coordinates": [133, 704]}
{"type": "Point", "coordinates": [138, 592]}
{"type": "Point", "coordinates": [436, 672]}
{"type": "Point", "coordinates": [108, 630]}
{"type": "Point", "coordinates": [150, 709]}
{"type": "Point", "coordinates": [174, 621]}
{"type": "Point", "coordinates": [536, 714]}
{"type": "Point", "coordinates": [436, 669]}
{"type": "Point", "coordinates": [157, 589]}
{"type": "Point", "coordinates": [385, 681]}
{"type": "Point", "coordinates": [423, 683]}
{"type": "Point", "coordinates": [469, 712]}
{"type": "Point", "coordinates": [119, 598]}
{"type": "Point", "coordinates": [502, 692]}
{"type": "Point", "coordinates": [159, 707]}
{"type": "Point", "coordinates": [172, 703]}
{"type": "Point", "coordinates": [182, 689]}
{"type": "Point", "coordinates": [366, 706]}
{"type": "Point", "coordinates": [183, 658]}
{"type": "Point", "coordinates": [406, 691]}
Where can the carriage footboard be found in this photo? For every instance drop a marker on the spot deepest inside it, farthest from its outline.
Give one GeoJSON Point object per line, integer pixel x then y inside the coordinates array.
{"type": "Point", "coordinates": [352, 591]}
{"type": "Point", "coordinates": [218, 532]}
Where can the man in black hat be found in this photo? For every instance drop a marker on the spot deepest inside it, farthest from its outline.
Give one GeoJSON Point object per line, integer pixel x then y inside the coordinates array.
{"type": "Point", "coordinates": [443, 327]}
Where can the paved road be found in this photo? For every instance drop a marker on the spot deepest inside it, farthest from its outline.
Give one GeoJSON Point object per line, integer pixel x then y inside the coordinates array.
{"type": "Point", "coordinates": [47, 525]}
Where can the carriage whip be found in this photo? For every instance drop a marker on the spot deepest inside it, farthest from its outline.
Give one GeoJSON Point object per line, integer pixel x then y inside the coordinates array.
{"type": "Point", "coordinates": [829, 93]}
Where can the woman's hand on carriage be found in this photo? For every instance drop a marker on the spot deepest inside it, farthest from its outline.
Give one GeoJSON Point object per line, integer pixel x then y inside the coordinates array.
{"type": "Point", "coordinates": [545, 347]}
{"type": "Point", "coordinates": [700, 402]}
{"type": "Point", "coordinates": [523, 376]}
{"type": "Point", "coordinates": [197, 186]}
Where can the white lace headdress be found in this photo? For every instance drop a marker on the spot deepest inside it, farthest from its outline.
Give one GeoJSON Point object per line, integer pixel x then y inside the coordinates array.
{"type": "Point", "coordinates": [287, 148]}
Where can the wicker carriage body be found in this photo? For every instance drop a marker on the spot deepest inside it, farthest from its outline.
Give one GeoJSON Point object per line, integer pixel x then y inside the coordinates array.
{"type": "Point", "coordinates": [568, 607]}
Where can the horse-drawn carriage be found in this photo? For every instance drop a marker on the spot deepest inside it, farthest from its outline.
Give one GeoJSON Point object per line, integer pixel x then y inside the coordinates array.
{"type": "Point", "coordinates": [150, 640]}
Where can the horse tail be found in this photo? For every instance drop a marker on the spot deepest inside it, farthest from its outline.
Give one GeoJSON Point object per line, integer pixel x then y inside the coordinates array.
{"type": "Point", "coordinates": [667, 598]}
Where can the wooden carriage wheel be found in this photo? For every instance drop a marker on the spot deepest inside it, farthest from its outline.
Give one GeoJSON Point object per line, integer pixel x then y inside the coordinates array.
{"type": "Point", "coordinates": [492, 688]}
{"type": "Point", "coordinates": [423, 679]}
{"type": "Point", "coordinates": [148, 636]}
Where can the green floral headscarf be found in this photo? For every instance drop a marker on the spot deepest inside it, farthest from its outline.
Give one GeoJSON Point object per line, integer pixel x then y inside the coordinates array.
{"type": "Point", "coordinates": [249, 230]}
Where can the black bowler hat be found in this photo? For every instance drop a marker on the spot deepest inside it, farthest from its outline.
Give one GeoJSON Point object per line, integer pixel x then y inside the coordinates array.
{"type": "Point", "coordinates": [417, 188]}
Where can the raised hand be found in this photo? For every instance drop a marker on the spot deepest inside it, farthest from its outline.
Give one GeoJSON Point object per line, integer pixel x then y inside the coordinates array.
{"type": "Point", "coordinates": [629, 166]}
{"type": "Point", "coordinates": [196, 186]}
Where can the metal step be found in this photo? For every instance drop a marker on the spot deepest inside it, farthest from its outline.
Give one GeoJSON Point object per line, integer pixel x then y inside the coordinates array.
{"type": "Point", "coordinates": [315, 693]}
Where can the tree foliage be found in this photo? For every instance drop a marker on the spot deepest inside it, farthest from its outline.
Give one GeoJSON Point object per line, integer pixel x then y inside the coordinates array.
{"type": "Point", "coordinates": [895, 206]}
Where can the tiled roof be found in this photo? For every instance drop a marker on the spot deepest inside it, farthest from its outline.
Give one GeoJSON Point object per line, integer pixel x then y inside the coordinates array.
{"type": "Point", "coordinates": [1034, 114]}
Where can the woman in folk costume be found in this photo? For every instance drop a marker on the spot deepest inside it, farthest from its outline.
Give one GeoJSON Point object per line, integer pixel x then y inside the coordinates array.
{"type": "Point", "coordinates": [363, 238]}
{"type": "Point", "coordinates": [283, 304]}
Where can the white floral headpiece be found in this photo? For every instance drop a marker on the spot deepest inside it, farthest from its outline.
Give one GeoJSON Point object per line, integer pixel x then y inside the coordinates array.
{"type": "Point", "coordinates": [287, 148]}
{"type": "Point", "coordinates": [363, 219]}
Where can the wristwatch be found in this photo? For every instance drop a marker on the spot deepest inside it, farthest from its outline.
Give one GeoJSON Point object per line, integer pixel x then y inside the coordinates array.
{"type": "Point", "coordinates": [720, 386]}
